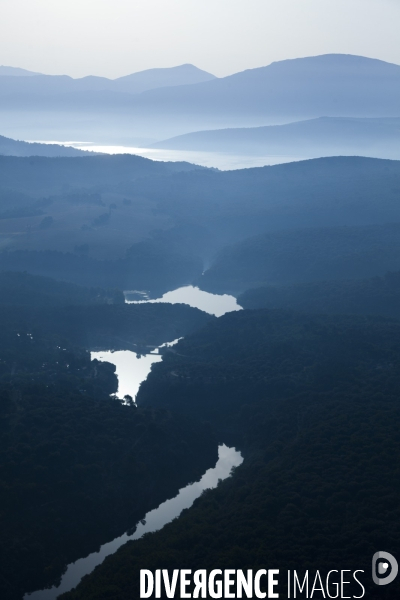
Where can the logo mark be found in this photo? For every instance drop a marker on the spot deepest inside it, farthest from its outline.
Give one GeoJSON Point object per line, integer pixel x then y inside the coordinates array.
{"type": "Point", "coordinates": [384, 563]}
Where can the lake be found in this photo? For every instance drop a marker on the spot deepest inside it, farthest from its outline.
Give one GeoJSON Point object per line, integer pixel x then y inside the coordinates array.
{"type": "Point", "coordinates": [132, 368]}
{"type": "Point", "coordinates": [214, 304]}
{"type": "Point", "coordinates": [218, 160]}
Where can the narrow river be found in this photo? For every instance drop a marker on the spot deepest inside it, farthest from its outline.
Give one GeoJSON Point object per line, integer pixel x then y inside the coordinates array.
{"type": "Point", "coordinates": [131, 370]}
{"type": "Point", "coordinates": [153, 521]}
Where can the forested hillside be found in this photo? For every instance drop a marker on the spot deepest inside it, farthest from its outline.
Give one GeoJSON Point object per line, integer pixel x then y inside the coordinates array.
{"type": "Point", "coordinates": [122, 326]}
{"type": "Point", "coordinates": [305, 255]}
{"type": "Point", "coordinates": [130, 223]}
{"type": "Point", "coordinates": [234, 205]}
{"type": "Point", "coordinates": [9, 147]}
{"type": "Point", "coordinates": [147, 265]}
{"type": "Point", "coordinates": [376, 296]}
{"type": "Point", "coordinates": [78, 468]}
{"type": "Point", "coordinates": [39, 175]}
{"type": "Point", "coordinates": [312, 402]}
{"type": "Point", "coordinates": [21, 288]}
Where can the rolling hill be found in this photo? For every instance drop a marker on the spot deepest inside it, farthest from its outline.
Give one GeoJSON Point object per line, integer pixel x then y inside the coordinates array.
{"type": "Point", "coordinates": [325, 136]}
{"type": "Point", "coordinates": [305, 255]}
{"type": "Point", "coordinates": [9, 147]}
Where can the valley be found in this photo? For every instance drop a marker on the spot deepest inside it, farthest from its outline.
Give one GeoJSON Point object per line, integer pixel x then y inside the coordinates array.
{"type": "Point", "coordinates": [199, 363]}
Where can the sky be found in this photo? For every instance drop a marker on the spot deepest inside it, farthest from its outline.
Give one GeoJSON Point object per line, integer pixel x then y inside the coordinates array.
{"type": "Point", "coordinates": [112, 38]}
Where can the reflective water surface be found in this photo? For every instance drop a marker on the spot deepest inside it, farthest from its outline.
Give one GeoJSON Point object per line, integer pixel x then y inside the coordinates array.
{"type": "Point", "coordinates": [131, 370]}
{"type": "Point", "coordinates": [213, 304]}
{"type": "Point", "coordinates": [218, 160]}
{"type": "Point", "coordinates": [153, 521]}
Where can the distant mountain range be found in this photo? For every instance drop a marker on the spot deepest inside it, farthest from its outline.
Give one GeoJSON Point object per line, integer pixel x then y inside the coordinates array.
{"type": "Point", "coordinates": [14, 81]}
{"type": "Point", "coordinates": [325, 136]}
{"type": "Point", "coordinates": [10, 147]}
{"type": "Point", "coordinates": [163, 103]}
{"type": "Point", "coordinates": [328, 85]}
{"type": "Point", "coordinates": [16, 72]}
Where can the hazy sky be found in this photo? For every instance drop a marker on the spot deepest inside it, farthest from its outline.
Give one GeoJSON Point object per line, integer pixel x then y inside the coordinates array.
{"type": "Point", "coordinates": [117, 37]}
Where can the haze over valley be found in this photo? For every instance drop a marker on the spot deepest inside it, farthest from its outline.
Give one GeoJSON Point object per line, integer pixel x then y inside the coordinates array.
{"type": "Point", "coordinates": [149, 107]}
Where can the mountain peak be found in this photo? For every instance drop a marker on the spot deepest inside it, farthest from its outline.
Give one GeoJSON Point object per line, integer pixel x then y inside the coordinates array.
{"type": "Point", "coordinates": [332, 61]}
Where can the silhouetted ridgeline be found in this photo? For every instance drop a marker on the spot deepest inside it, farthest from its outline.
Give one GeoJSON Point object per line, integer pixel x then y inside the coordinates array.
{"type": "Point", "coordinates": [331, 84]}
{"type": "Point", "coordinates": [14, 81]}
{"type": "Point", "coordinates": [376, 296]}
{"type": "Point", "coordinates": [305, 255]}
{"type": "Point", "coordinates": [312, 402]}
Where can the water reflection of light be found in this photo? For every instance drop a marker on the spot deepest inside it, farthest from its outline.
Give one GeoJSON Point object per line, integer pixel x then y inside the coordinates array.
{"type": "Point", "coordinates": [130, 369]}
{"type": "Point", "coordinates": [218, 160]}
{"type": "Point", "coordinates": [153, 521]}
{"type": "Point", "coordinates": [213, 304]}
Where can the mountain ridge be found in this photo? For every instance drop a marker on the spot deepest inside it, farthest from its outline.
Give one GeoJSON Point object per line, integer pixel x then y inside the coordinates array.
{"type": "Point", "coordinates": [133, 83]}
{"type": "Point", "coordinates": [311, 138]}
{"type": "Point", "coordinates": [283, 92]}
{"type": "Point", "coordinates": [317, 68]}
{"type": "Point", "coordinates": [10, 147]}
{"type": "Point", "coordinates": [6, 71]}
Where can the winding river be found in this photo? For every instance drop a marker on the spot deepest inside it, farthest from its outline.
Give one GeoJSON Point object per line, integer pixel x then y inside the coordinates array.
{"type": "Point", "coordinates": [131, 370]}
{"type": "Point", "coordinates": [153, 521]}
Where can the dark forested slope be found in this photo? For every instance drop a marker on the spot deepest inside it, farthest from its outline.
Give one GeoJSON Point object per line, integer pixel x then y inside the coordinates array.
{"type": "Point", "coordinates": [312, 402]}
{"type": "Point", "coordinates": [100, 210]}
{"type": "Point", "coordinates": [376, 296]}
{"type": "Point", "coordinates": [233, 205]}
{"type": "Point", "coordinates": [122, 326]}
{"type": "Point", "coordinates": [59, 216]}
{"type": "Point", "coordinates": [41, 175]}
{"type": "Point", "coordinates": [344, 184]}
{"type": "Point", "coordinates": [77, 468]}
{"type": "Point", "coordinates": [21, 288]}
{"type": "Point", "coordinates": [147, 265]}
{"type": "Point", "coordinates": [305, 255]}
